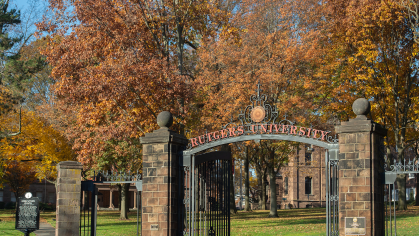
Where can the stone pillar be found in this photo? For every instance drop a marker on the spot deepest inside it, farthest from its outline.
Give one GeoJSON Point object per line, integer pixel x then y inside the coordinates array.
{"type": "Point", "coordinates": [68, 198]}
{"type": "Point", "coordinates": [160, 183]}
{"type": "Point", "coordinates": [361, 172]}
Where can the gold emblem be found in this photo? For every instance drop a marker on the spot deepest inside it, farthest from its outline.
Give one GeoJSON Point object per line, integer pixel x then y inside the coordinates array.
{"type": "Point", "coordinates": [257, 114]}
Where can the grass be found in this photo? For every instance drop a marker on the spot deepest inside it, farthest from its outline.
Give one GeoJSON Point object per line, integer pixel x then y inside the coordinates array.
{"type": "Point", "coordinates": [308, 222]}
{"type": "Point", "coordinates": [7, 223]}
{"type": "Point", "coordinates": [290, 222]}
{"type": "Point", "coordinates": [108, 223]}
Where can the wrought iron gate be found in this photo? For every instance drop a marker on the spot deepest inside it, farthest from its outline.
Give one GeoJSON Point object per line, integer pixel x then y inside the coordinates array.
{"type": "Point", "coordinates": [332, 192]}
{"type": "Point", "coordinates": [88, 199]}
{"type": "Point", "coordinates": [205, 186]}
{"type": "Point", "coordinates": [89, 193]}
{"type": "Point", "coordinates": [391, 172]}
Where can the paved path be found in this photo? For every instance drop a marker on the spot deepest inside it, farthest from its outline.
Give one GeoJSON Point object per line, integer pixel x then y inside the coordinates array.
{"type": "Point", "coordinates": [45, 229]}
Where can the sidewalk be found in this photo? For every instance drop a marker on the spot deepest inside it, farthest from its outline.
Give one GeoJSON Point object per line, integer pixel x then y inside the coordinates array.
{"type": "Point", "coordinates": [45, 229]}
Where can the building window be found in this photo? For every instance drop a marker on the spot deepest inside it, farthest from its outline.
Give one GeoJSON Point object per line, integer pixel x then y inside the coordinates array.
{"type": "Point", "coordinates": [308, 182]}
{"type": "Point", "coordinates": [395, 195]}
{"type": "Point", "coordinates": [12, 197]}
{"type": "Point", "coordinates": [410, 194]}
{"type": "Point", "coordinates": [286, 185]}
{"type": "Point", "coordinates": [411, 176]}
{"type": "Point", "coordinates": [308, 156]}
{"type": "Point", "coordinates": [1, 196]}
{"type": "Point", "coordinates": [39, 195]}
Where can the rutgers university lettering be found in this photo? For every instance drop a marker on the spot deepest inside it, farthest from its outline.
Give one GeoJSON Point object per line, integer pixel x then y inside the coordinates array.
{"type": "Point", "coordinates": [262, 118]}
{"type": "Point", "coordinates": [261, 129]}
{"type": "Point", "coordinates": [204, 176]}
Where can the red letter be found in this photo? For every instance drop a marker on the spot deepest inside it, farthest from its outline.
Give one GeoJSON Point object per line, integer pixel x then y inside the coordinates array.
{"type": "Point", "coordinates": [276, 128]}
{"type": "Point", "coordinates": [193, 142]}
{"type": "Point", "coordinates": [199, 138]}
{"type": "Point", "coordinates": [216, 137]}
{"type": "Point", "coordinates": [283, 128]}
{"type": "Point", "coordinates": [308, 132]}
{"type": "Point", "coordinates": [324, 133]}
{"type": "Point", "coordinates": [263, 128]}
{"type": "Point", "coordinates": [232, 130]}
{"type": "Point", "coordinates": [209, 137]}
{"type": "Point", "coordinates": [293, 130]}
{"type": "Point", "coordinates": [253, 128]}
{"type": "Point", "coordinates": [240, 129]}
{"type": "Point", "coordinates": [224, 133]}
{"type": "Point", "coordinates": [270, 128]}
{"type": "Point", "coordinates": [302, 132]}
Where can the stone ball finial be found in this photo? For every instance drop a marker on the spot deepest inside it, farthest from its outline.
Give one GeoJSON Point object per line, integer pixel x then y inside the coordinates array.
{"type": "Point", "coordinates": [361, 106]}
{"type": "Point", "coordinates": [165, 119]}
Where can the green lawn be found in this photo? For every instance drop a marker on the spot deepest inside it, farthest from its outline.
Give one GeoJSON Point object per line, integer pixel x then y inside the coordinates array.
{"type": "Point", "coordinates": [290, 222]}
{"type": "Point", "coordinates": [7, 223]}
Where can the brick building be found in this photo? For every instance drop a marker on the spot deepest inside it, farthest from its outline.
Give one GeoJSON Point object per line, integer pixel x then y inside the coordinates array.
{"type": "Point", "coordinates": [44, 190]}
{"type": "Point", "coordinates": [108, 196]}
{"type": "Point", "coordinates": [301, 183]}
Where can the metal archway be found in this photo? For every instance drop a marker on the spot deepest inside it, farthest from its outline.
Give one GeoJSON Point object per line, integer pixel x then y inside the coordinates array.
{"type": "Point", "coordinates": [258, 121]}
{"type": "Point", "coordinates": [195, 221]}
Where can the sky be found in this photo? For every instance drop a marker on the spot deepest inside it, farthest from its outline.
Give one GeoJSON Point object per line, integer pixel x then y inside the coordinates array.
{"type": "Point", "coordinates": [31, 12]}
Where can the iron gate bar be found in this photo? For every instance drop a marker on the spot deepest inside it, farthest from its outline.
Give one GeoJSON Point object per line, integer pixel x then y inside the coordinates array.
{"type": "Point", "coordinates": [89, 187]}
{"type": "Point", "coordinates": [390, 174]}
{"type": "Point", "coordinates": [211, 157]}
{"type": "Point", "coordinates": [206, 195]}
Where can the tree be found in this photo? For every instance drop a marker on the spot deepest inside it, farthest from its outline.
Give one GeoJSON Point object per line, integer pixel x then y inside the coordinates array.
{"type": "Point", "coordinates": [18, 176]}
{"type": "Point", "coordinates": [8, 18]}
{"type": "Point", "coordinates": [278, 154]}
{"type": "Point", "coordinates": [264, 45]}
{"type": "Point", "coordinates": [412, 9]}
{"type": "Point", "coordinates": [371, 53]}
{"type": "Point", "coordinates": [17, 67]}
{"type": "Point", "coordinates": [121, 64]}
{"type": "Point", "coordinates": [39, 144]}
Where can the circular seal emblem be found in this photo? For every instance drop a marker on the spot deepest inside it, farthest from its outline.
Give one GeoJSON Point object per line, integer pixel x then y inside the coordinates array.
{"type": "Point", "coordinates": [257, 114]}
{"type": "Point", "coordinates": [28, 195]}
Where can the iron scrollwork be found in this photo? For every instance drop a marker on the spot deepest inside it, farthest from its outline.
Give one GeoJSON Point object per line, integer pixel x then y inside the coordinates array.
{"type": "Point", "coordinates": [261, 117]}
{"type": "Point", "coordinates": [117, 176]}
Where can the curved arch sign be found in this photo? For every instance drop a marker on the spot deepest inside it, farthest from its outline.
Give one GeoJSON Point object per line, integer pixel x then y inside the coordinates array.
{"type": "Point", "coordinates": [260, 121]}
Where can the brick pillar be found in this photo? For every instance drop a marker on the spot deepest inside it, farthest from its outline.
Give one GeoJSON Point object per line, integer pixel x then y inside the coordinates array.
{"type": "Point", "coordinates": [361, 183]}
{"type": "Point", "coordinates": [68, 198]}
{"type": "Point", "coordinates": [160, 170]}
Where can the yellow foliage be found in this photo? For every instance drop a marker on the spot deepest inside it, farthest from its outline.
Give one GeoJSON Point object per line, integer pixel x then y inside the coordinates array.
{"type": "Point", "coordinates": [39, 144]}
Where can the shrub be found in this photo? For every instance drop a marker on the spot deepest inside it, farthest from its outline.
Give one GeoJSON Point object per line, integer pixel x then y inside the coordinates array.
{"type": "Point", "coordinates": [10, 205]}
{"type": "Point", "coordinates": [46, 206]}
{"type": "Point", "coordinates": [2, 205]}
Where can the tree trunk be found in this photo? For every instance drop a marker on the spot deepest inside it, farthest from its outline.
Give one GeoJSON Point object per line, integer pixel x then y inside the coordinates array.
{"type": "Point", "coordinates": [263, 192]}
{"type": "Point", "coordinates": [272, 185]}
{"type": "Point", "coordinates": [124, 202]}
{"type": "Point", "coordinates": [246, 182]}
{"type": "Point", "coordinates": [259, 178]}
{"type": "Point", "coordinates": [401, 185]}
